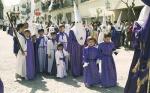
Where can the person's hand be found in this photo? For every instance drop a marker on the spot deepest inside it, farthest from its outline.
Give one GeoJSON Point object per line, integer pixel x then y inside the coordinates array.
{"type": "Point", "coordinates": [24, 53]}
{"type": "Point", "coordinates": [98, 61]}
{"type": "Point", "coordinates": [85, 65]}
{"type": "Point", "coordinates": [57, 64]}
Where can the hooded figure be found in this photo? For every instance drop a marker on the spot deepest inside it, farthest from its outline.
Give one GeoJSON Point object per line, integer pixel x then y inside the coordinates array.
{"type": "Point", "coordinates": [117, 32]}
{"type": "Point", "coordinates": [103, 31]}
{"type": "Point", "coordinates": [76, 41]}
{"type": "Point", "coordinates": [51, 5]}
{"type": "Point", "coordinates": [137, 79]}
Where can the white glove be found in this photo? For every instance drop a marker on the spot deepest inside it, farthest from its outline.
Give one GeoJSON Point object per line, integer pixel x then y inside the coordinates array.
{"type": "Point", "coordinates": [85, 65]}
{"type": "Point", "coordinates": [98, 61]}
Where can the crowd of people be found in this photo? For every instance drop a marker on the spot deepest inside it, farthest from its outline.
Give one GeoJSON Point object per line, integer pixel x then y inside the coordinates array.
{"type": "Point", "coordinates": [77, 49]}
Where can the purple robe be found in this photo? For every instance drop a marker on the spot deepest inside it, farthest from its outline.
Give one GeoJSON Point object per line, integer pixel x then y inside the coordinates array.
{"type": "Point", "coordinates": [143, 36]}
{"type": "Point", "coordinates": [76, 52]}
{"type": "Point", "coordinates": [91, 72]}
{"type": "Point", "coordinates": [108, 74]}
{"type": "Point", "coordinates": [147, 2]}
{"type": "Point", "coordinates": [30, 61]}
{"type": "Point", "coordinates": [116, 37]}
{"type": "Point", "coordinates": [36, 57]}
{"type": "Point", "coordinates": [132, 77]}
{"type": "Point", "coordinates": [1, 87]}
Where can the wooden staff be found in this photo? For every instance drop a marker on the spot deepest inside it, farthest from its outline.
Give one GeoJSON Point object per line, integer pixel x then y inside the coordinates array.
{"type": "Point", "coordinates": [14, 30]}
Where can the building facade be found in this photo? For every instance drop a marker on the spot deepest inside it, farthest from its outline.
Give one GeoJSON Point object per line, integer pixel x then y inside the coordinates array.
{"type": "Point", "coordinates": [1, 9]}
{"type": "Point", "coordinates": [92, 10]}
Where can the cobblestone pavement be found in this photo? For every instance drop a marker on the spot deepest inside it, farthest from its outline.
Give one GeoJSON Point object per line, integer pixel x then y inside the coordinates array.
{"type": "Point", "coordinates": [47, 84]}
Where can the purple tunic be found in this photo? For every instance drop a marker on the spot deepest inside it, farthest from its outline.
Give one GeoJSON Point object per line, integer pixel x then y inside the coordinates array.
{"type": "Point", "coordinates": [1, 87]}
{"type": "Point", "coordinates": [30, 61]}
{"type": "Point", "coordinates": [108, 74]}
{"type": "Point", "coordinates": [76, 52]}
{"type": "Point", "coordinates": [91, 72]}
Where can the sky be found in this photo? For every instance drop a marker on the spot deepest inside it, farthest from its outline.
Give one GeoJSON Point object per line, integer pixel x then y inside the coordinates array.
{"type": "Point", "coordinates": [10, 2]}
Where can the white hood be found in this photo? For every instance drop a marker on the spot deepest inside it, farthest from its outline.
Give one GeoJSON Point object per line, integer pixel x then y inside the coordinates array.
{"type": "Point", "coordinates": [78, 29]}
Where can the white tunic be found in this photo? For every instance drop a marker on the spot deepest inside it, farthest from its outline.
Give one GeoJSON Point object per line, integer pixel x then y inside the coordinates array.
{"type": "Point", "coordinates": [21, 59]}
{"type": "Point", "coordinates": [51, 48]}
{"type": "Point", "coordinates": [61, 66]}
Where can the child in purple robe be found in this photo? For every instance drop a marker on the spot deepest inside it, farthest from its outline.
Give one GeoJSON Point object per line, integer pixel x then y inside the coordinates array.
{"type": "Point", "coordinates": [30, 60]}
{"type": "Point", "coordinates": [108, 69]}
{"type": "Point", "coordinates": [90, 59]}
{"type": "Point", "coordinates": [1, 87]}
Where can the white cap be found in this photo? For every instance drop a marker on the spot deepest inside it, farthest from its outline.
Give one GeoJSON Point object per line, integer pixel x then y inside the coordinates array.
{"type": "Point", "coordinates": [104, 20]}
{"type": "Point", "coordinates": [104, 24]}
{"type": "Point", "coordinates": [79, 30]}
{"type": "Point", "coordinates": [51, 5]}
{"type": "Point", "coordinates": [118, 24]}
{"type": "Point", "coordinates": [119, 19]}
{"type": "Point", "coordinates": [77, 14]}
{"type": "Point", "coordinates": [144, 15]}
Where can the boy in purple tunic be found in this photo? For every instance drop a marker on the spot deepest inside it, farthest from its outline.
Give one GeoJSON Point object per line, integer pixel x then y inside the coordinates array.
{"type": "Point", "coordinates": [30, 61]}
{"type": "Point", "coordinates": [90, 58]}
{"type": "Point", "coordinates": [1, 87]}
{"type": "Point", "coordinates": [108, 69]}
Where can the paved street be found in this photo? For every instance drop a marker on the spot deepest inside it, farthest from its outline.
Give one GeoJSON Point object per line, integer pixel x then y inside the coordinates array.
{"type": "Point", "coordinates": [46, 84]}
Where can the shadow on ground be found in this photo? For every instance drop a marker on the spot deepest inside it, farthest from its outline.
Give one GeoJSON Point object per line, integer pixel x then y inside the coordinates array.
{"type": "Point", "coordinates": [35, 85]}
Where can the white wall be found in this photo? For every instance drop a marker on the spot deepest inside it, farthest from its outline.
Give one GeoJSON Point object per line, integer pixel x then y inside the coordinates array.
{"type": "Point", "coordinates": [88, 9]}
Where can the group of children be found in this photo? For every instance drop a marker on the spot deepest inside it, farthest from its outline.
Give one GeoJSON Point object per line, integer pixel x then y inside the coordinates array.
{"type": "Point", "coordinates": [99, 66]}
{"type": "Point", "coordinates": [49, 54]}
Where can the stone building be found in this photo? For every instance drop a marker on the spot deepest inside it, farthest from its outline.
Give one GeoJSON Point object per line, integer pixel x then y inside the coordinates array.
{"type": "Point", "coordinates": [92, 10]}
{"type": "Point", "coordinates": [1, 9]}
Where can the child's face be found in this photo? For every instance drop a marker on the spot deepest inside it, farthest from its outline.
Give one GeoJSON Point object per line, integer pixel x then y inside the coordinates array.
{"type": "Point", "coordinates": [27, 34]}
{"type": "Point", "coordinates": [91, 43]}
{"type": "Point", "coordinates": [62, 29]}
{"type": "Point", "coordinates": [33, 38]}
{"type": "Point", "coordinates": [60, 48]}
{"type": "Point", "coordinates": [107, 39]}
{"type": "Point", "coordinates": [41, 33]}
